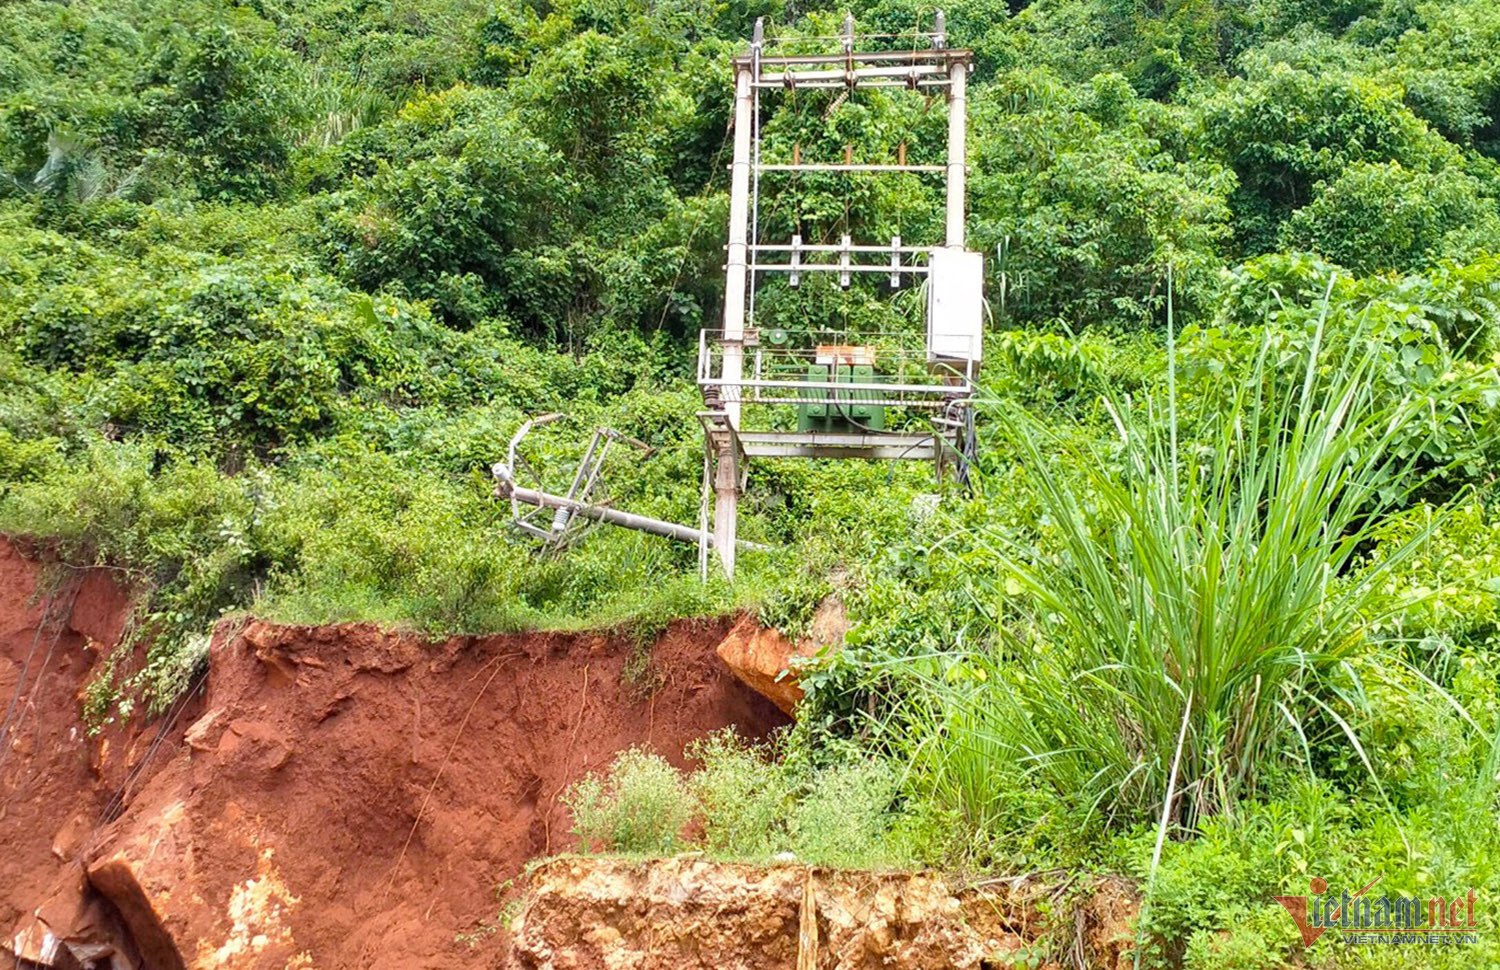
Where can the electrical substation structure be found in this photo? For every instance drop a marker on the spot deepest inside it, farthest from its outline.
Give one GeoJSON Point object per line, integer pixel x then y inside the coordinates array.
{"type": "Point", "coordinates": [845, 388]}
{"type": "Point", "coordinates": [795, 386]}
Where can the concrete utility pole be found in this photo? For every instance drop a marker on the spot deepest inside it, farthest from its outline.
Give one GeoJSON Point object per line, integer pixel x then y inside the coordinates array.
{"type": "Point", "coordinates": [957, 162]}
{"type": "Point", "coordinates": [736, 285]}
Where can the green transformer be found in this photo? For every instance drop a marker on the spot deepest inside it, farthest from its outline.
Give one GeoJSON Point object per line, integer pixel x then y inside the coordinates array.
{"type": "Point", "coordinates": [826, 410]}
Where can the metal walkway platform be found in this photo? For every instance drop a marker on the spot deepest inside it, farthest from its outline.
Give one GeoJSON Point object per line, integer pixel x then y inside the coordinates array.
{"type": "Point", "coordinates": [823, 444]}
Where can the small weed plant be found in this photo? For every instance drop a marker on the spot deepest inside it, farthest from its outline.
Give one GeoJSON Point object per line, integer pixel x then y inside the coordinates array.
{"type": "Point", "coordinates": [749, 806]}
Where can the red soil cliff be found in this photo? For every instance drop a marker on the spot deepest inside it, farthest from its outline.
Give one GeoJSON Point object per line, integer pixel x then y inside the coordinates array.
{"type": "Point", "coordinates": [331, 797]}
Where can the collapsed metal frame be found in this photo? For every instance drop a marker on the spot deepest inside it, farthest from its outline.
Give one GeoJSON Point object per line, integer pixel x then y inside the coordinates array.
{"type": "Point", "coordinates": [726, 388]}
{"type": "Point", "coordinates": [518, 482]}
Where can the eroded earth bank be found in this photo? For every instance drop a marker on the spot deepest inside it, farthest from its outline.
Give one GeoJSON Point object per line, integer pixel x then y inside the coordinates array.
{"type": "Point", "coordinates": [344, 796]}
{"type": "Point", "coordinates": [330, 797]}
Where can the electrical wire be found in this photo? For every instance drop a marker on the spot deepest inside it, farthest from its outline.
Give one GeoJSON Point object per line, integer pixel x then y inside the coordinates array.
{"type": "Point", "coordinates": [8, 724]}
{"type": "Point", "coordinates": [687, 248]}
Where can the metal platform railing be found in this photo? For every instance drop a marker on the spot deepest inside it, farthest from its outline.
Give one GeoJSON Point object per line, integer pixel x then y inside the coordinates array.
{"type": "Point", "coordinates": [879, 369]}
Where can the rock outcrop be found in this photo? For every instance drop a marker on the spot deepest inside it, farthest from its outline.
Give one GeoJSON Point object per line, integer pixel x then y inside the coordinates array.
{"type": "Point", "coordinates": [592, 913]}
{"type": "Point", "coordinates": [768, 662]}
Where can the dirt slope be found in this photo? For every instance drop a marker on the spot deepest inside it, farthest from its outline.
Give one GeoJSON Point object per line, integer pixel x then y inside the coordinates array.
{"type": "Point", "coordinates": [336, 797]}
{"type": "Point", "coordinates": [55, 785]}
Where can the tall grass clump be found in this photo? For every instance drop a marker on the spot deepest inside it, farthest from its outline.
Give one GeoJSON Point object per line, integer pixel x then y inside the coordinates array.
{"type": "Point", "coordinates": [1182, 616]}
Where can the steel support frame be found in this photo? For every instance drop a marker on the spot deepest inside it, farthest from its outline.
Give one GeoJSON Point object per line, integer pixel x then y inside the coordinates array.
{"type": "Point", "coordinates": [725, 449]}
{"type": "Point", "coordinates": [603, 513]}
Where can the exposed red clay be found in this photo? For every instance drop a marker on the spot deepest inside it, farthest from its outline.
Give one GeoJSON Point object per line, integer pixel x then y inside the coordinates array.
{"type": "Point", "coordinates": [55, 784]}
{"type": "Point", "coordinates": [335, 797]}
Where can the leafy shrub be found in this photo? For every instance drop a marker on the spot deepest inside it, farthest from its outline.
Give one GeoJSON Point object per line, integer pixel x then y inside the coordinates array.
{"type": "Point", "coordinates": [1380, 216]}
{"type": "Point", "coordinates": [1225, 879]}
{"type": "Point", "coordinates": [1085, 213]}
{"type": "Point", "coordinates": [743, 797]}
{"type": "Point", "coordinates": [170, 674]}
{"type": "Point", "coordinates": [1448, 66]}
{"type": "Point", "coordinates": [1240, 947]}
{"type": "Point", "coordinates": [1427, 338]}
{"type": "Point", "coordinates": [222, 102]}
{"type": "Point", "coordinates": [750, 806]}
{"type": "Point", "coordinates": [1457, 567]}
{"type": "Point", "coordinates": [1287, 130]}
{"type": "Point", "coordinates": [846, 817]}
{"type": "Point", "coordinates": [150, 99]}
{"type": "Point", "coordinates": [641, 806]}
{"type": "Point", "coordinates": [439, 219]}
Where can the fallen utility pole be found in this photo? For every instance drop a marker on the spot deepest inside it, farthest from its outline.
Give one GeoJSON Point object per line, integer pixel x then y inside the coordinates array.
{"type": "Point", "coordinates": [508, 490]}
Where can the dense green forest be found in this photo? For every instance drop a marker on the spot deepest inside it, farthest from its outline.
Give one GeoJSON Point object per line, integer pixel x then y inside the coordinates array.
{"type": "Point", "coordinates": [278, 280]}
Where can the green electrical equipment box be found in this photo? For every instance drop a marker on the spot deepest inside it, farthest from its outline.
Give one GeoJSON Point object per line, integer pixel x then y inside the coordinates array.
{"type": "Point", "coordinates": [827, 408]}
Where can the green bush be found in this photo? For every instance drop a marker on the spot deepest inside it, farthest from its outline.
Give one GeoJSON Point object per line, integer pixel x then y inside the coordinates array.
{"type": "Point", "coordinates": [743, 796]}
{"type": "Point", "coordinates": [1083, 205]}
{"type": "Point", "coordinates": [147, 99]}
{"type": "Point", "coordinates": [751, 806]}
{"type": "Point", "coordinates": [1379, 217]}
{"type": "Point", "coordinates": [1458, 565]}
{"type": "Point", "coordinates": [847, 816]}
{"type": "Point", "coordinates": [1288, 130]}
{"type": "Point", "coordinates": [641, 806]}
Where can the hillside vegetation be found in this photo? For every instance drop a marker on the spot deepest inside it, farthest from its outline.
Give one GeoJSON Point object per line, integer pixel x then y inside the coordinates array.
{"type": "Point", "coordinates": [278, 281]}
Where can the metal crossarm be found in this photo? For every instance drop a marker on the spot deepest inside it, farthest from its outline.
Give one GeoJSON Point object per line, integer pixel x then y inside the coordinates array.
{"type": "Point", "coordinates": [851, 167]}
